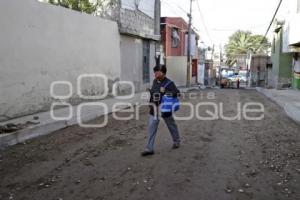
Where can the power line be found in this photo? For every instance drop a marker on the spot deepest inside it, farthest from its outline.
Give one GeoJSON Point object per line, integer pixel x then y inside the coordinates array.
{"type": "Point", "coordinates": [204, 24]}
{"type": "Point", "coordinates": [230, 29]}
{"type": "Point", "coordinates": [181, 8]}
{"type": "Point", "coordinates": [279, 4]}
{"type": "Point", "coordinates": [172, 10]}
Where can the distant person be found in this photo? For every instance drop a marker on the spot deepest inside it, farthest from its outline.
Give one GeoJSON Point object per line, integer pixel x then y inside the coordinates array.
{"type": "Point", "coordinates": [161, 86]}
{"type": "Point", "coordinates": [238, 83]}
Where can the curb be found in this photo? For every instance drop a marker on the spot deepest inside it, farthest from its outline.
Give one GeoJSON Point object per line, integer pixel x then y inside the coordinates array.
{"type": "Point", "coordinates": [290, 109]}
{"type": "Point", "coordinates": [50, 126]}
{"type": "Point", "coordinates": [20, 136]}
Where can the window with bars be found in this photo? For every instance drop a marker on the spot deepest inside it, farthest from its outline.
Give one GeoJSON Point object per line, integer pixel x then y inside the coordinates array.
{"type": "Point", "coordinates": [175, 38]}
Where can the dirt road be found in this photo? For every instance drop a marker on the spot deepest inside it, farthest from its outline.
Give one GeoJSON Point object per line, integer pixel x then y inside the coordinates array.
{"type": "Point", "coordinates": [218, 159]}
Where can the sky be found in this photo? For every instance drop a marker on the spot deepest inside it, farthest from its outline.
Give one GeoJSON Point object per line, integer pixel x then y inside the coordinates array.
{"type": "Point", "coordinates": [218, 19]}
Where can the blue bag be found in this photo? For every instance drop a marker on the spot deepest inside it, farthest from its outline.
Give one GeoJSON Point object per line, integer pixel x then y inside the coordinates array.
{"type": "Point", "coordinates": [169, 104]}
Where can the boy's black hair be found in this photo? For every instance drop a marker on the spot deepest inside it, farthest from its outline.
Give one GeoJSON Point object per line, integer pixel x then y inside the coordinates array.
{"type": "Point", "coordinates": [161, 68]}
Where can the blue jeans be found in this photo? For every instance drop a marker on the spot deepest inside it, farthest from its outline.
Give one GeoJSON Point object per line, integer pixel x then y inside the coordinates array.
{"type": "Point", "coordinates": [152, 130]}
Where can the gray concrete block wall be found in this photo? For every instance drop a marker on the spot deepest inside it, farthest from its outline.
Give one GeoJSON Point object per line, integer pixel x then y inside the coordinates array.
{"type": "Point", "coordinates": [136, 23]}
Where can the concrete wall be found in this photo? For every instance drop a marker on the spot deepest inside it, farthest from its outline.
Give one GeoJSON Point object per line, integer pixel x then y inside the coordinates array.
{"type": "Point", "coordinates": [281, 64]}
{"type": "Point", "coordinates": [41, 43]}
{"type": "Point", "coordinates": [258, 70]}
{"type": "Point", "coordinates": [132, 61]}
{"type": "Point", "coordinates": [291, 34]}
{"type": "Point", "coordinates": [201, 73]}
{"type": "Point", "coordinates": [291, 16]}
{"type": "Point", "coordinates": [136, 23]}
{"type": "Point", "coordinates": [176, 66]}
{"type": "Point", "coordinates": [269, 82]}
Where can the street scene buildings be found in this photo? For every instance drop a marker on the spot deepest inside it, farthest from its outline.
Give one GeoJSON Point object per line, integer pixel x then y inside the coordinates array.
{"type": "Point", "coordinates": [285, 49]}
{"type": "Point", "coordinates": [174, 41]}
{"type": "Point", "coordinates": [84, 86]}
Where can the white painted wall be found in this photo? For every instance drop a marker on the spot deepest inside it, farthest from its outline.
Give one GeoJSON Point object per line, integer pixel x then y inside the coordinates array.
{"type": "Point", "coordinates": [41, 43]}
{"type": "Point", "coordinates": [176, 69]}
{"type": "Point", "coordinates": [201, 71]}
{"type": "Point", "coordinates": [193, 45]}
{"type": "Point", "coordinates": [291, 17]}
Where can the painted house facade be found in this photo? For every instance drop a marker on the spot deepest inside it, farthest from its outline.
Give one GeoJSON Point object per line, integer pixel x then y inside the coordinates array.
{"type": "Point", "coordinates": [139, 26]}
{"type": "Point", "coordinates": [174, 41]}
{"type": "Point", "coordinates": [286, 47]}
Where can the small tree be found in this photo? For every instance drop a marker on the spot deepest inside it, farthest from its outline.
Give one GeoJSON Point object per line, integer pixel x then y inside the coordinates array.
{"type": "Point", "coordinates": [242, 42]}
{"type": "Point", "coordinates": [107, 8]}
{"type": "Point", "coordinates": [79, 5]}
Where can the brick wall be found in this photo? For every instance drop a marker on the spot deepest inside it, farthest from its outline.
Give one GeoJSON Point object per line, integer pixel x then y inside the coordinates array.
{"type": "Point", "coordinates": [166, 33]}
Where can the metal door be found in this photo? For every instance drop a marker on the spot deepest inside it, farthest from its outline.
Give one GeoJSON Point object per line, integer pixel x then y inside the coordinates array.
{"type": "Point", "coordinates": [146, 61]}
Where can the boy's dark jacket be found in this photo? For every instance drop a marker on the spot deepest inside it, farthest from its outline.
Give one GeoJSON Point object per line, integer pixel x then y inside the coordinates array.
{"type": "Point", "coordinates": [155, 94]}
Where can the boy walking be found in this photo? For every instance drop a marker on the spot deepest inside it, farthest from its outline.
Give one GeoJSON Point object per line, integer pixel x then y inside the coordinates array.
{"type": "Point", "coordinates": [161, 86]}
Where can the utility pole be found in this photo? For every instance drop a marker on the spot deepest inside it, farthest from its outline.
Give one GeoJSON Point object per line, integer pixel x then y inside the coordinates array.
{"type": "Point", "coordinates": [188, 69]}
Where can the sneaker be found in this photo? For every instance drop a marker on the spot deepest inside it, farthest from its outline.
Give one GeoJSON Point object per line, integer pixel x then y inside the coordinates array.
{"type": "Point", "coordinates": [147, 153]}
{"type": "Point", "coordinates": [175, 146]}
